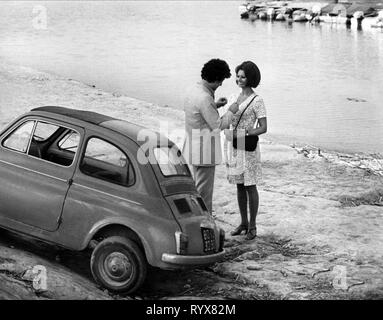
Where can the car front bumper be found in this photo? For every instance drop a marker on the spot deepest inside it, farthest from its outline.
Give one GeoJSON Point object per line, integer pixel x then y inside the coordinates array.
{"type": "Point", "coordinates": [182, 260]}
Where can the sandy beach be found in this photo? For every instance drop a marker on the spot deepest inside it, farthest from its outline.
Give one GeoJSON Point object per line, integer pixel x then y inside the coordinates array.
{"type": "Point", "coordinates": [320, 220]}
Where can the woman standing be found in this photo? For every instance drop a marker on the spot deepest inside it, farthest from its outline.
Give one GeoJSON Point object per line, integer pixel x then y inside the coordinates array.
{"type": "Point", "coordinates": [244, 167]}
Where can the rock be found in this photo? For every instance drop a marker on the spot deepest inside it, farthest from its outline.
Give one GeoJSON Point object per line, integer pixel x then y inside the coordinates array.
{"type": "Point", "coordinates": [28, 275]}
{"type": "Point", "coordinates": [284, 273]}
{"type": "Point", "coordinates": [254, 267]}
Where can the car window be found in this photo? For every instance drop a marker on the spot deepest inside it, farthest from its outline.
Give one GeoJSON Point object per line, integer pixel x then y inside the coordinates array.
{"type": "Point", "coordinates": [19, 139]}
{"type": "Point", "coordinates": [70, 141]}
{"type": "Point", "coordinates": [47, 139]}
{"type": "Point", "coordinates": [171, 161]}
{"type": "Point", "coordinates": [44, 130]}
{"type": "Point", "coordinates": [105, 161]}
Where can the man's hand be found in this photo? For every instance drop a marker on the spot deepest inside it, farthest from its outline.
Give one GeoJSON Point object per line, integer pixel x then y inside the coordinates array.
{"type": "Point", "coordinates": [221, 102]}
{"type": "Point", "coordinates": [234, 107]}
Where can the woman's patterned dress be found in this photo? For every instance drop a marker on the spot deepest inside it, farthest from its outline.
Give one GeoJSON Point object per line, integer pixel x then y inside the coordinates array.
{"type": "Point", "coordinates": [244, 167]}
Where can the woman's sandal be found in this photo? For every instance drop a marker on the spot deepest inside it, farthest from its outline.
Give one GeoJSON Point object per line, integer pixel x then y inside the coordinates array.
{"type": "Point", "coordinates": [238, 230]}
{"type": "Point", "coordinates": [251, 233]}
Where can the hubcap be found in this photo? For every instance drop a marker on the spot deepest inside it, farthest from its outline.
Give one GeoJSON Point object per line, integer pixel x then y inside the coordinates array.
{"type": "Point", "coordinates": [117, 266]}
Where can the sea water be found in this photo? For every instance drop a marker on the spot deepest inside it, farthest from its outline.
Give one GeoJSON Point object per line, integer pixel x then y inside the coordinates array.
{"type": "Point", "coordinates": [322, 84]}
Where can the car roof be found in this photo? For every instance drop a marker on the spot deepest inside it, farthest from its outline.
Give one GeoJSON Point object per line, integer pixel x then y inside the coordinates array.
{"type": "Point", "coordinates": [126, 128]}
{"type": "Point", "coordinates": [87, 116]}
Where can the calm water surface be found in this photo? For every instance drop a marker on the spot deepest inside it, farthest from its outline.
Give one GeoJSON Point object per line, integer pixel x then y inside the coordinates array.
{"type": "Point", "coordinates": [322, 85]}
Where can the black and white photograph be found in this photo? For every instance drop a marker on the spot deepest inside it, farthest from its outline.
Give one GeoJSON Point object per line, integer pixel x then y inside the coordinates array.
{"type": "Point", "coordinates": [211, 152]}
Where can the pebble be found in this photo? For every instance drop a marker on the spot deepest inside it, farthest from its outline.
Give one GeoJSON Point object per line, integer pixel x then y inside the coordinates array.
{"type": "Point", "coordinates": [256, 268]}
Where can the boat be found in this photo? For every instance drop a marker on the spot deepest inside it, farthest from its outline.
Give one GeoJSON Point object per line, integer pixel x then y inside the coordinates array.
{"type": "Point", "coordinates": [247, 7]}
{"type": "Point", "coordinates": [262, 15]}
{"type": "Point", "coordinates": [253, 16]}
{"type": "Point", "coordinates": [378, 24]}
{"type": "Point", "coordinates": [335, 13]}
{"type": "Point", "coordinates": [242, 8]}
{"type": "Point", "coordinates": [378, 21]}
{"type": "Point", "coordinates": [280, 17]}
{"type": "Point", "coordinates": [359, 12]}
{"type": "Point", "coordinates": [251, 11]}
{"type": "Point", "coordinates": [271, 13]}
{"type": "Point", "coordinates": [300, 15]}
{"type": "Point", "coordinates": [245, 15]}
{"type": "Point", "coordinates": [284, 14]}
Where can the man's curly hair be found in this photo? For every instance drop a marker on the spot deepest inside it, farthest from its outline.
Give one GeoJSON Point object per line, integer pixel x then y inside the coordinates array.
{"type": "Point", "coordinates": [215, 70]}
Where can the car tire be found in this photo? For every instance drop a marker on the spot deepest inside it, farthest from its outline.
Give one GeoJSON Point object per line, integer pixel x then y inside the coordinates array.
{"type": "Point", "coordinates": [118, 264]}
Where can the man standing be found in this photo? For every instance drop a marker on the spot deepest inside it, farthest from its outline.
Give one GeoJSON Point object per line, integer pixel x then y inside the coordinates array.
{"type": "Point", "coordinates": [202, 147]}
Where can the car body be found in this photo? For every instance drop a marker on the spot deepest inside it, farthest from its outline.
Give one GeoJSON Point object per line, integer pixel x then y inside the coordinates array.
{"type": "Point", "coordinates": [79, 179]}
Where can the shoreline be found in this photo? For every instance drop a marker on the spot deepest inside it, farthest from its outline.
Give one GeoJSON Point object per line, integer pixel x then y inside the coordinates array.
{"type": "Point", "coordinates": [132, 109]}
{"type": "Point", "coordinates": [320, 218]}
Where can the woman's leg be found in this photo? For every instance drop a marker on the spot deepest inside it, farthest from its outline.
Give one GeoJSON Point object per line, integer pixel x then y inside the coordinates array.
{"type": "Point", "coordinates": [253, 195]}
{"type": "Point", "coordinates": [242, 203]}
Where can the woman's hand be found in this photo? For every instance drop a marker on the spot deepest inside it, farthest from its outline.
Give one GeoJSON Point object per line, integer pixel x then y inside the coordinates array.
{"type": "Point", "coordinates": [234, 107]}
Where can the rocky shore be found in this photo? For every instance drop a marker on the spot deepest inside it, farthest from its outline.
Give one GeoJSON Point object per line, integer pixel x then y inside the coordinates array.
{"type": "Point", "coordinates": [320, 220]}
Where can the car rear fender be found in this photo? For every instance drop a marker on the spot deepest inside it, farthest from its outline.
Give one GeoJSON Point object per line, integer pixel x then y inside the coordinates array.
{"type": "Point", "coordinates": [154, 240]}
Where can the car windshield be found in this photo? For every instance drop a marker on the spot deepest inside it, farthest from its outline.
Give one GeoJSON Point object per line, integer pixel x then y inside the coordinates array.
{"type": "Point", "coordinates": [171, 161]}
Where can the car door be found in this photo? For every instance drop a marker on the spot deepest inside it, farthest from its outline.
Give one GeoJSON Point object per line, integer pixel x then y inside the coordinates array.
{"type": "Point", "coordinates": [37, 160]}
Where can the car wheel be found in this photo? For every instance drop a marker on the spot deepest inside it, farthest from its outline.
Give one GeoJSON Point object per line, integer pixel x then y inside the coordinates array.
{"type": "Point", "coordinates": [118, 264]}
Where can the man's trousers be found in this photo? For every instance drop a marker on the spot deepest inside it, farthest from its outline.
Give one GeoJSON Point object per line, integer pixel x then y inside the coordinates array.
{"type": "Point", "coordinates": [204, 181]}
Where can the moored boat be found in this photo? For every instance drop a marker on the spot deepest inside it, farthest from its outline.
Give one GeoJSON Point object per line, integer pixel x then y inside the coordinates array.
{"type": "Point", "coordinates": [359, 12]}
{"type": "Point", "coordinates": [376, 22]}
{"type": "Point", "coordinates": [270, 12]}
{"type": "Point", "coordinates": [262, 15]}
{"type": "Point", "coordinates": [253, 16]}
{"type": "Point", "coordinates": [280, 17]}
{"type": "Point", "coordinates": [242, 8]}
{"type": "Point", "coordinates": [300, 15]}
{"type": "Point", "coordinates": [335, 13]}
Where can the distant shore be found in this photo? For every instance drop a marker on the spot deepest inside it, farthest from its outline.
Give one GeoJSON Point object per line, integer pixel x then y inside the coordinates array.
{"type": "Point", "coordinates": [368, 2]}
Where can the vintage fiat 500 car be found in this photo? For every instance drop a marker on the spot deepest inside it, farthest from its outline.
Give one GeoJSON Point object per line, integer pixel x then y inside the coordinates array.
{"type": "Point", "coordinates": [81, 180]}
